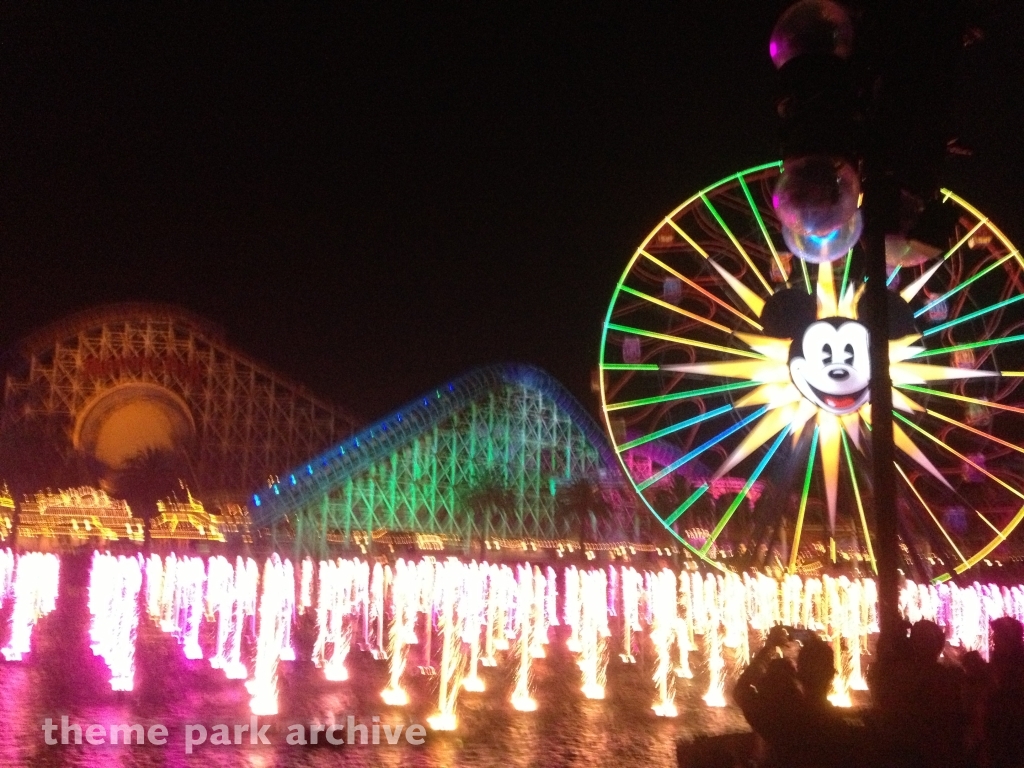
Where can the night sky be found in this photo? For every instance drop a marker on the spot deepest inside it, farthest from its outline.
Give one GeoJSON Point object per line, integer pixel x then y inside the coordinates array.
{"type": "Point", "coordinates": [375, 198]}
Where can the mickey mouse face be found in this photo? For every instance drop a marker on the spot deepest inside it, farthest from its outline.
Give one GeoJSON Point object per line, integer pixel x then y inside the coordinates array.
{"type": "Point", "coordinates": [833, 372]}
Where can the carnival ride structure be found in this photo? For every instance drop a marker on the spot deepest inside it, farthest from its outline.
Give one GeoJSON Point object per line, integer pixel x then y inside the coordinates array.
{"type": "Point", "coordinates": [721, 348]}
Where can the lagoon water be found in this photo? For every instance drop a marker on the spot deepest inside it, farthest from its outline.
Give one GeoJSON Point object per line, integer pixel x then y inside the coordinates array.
{"type": "Point", "coordinates": [61, 677]}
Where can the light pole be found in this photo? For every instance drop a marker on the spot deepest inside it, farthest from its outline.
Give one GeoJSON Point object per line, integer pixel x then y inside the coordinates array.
{"type": "Point", "coordinates": [878, 112]}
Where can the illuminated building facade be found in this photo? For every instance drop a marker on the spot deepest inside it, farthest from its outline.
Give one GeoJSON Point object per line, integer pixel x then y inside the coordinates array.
{"type": "Point", "coordinates": [6, 514]}
{"type": "Point", "coordinates": [77, 516]}
{"type": "Point", "coordinates": [185, 520]}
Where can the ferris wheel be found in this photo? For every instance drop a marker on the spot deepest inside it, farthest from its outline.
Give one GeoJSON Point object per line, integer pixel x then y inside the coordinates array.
{"type": "Point", "coordinates": [734, 383]}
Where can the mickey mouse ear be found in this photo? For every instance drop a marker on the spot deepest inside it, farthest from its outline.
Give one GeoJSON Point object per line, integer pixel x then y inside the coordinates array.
{"type": "Point", "coordinates": [788, 312]}
{"type": "Point", "coordinates": [901, 316]}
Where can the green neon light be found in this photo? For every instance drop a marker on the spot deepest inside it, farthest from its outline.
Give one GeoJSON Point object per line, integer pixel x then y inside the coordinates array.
{"type": "Point", "coordinates": [860, 504]}
{"type": "Point", "coordinates": [674, 308]}
{"type": "Point", "coordinates": [760, 223]}
{"type": "Point", "coordinates": [807, 275]}
{"type": "Point", "coordinates": [674, 428]}
{"type": "Point", "coordinates": [743, 493]}
{"type": "Point", "coordinates": [803, 501]}
{"type": "Point", "coordinates": [667, 470]}
{"type": "Point", "coordinates": [978, 313]}
{"type": "Point", "coordinates": [680, 395]}
{"type": "Point", "coordinates": [731, 236]}
{"type": "Point", "coordinates": [960, 286]}
{"type": "Point", "coordinates": [971, 345]}
{"type": "Point", "coordinates": [682, 340]}
{"type": "Point", "coordinates": [961, 398]}
{"type": "Point", "coordinates": [630, 367]}
{"type": "Point", "coordinates": [846, 274]}
{"type": "Point", "coordinates": [686, 505]}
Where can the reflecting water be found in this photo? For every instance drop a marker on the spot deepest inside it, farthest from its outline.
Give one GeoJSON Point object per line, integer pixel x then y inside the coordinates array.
{"type": "Point", "coordinates": [61, 677]}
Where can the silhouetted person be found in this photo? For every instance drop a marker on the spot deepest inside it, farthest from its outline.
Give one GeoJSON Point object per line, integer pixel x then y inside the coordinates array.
{"type": "Point", "coordinates": [790, 709]}
{"type": "Point", "coordinates": [977, 685]}
{"type": "Point", "coordinates": [829, 740]}
{"type": "Point", "coordinates": [890, 679]}
{"type": "Point", "coordinates": [935, 719]}
{"type": "Point", "coordinates": [1004, 707]}
{"type": "Point", "coordinates": [771, 700]}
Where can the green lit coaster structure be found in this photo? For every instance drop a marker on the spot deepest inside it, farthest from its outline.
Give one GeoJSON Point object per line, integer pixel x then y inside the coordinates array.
{"type": "Point", "coordinates": [734, 385]}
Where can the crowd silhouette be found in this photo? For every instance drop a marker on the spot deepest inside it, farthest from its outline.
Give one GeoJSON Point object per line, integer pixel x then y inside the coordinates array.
{"type": "Point", "coordinates": [930, 704]}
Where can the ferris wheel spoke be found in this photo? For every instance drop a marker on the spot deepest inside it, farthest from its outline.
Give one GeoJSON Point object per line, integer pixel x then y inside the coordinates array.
{"type": "Point", "coordinates": [739, 246]}
{"type": "Point", "coordinates": [964, 284]}
{"type": "Point", "coordinates": [931, 514]}
{"type": "Point", "coordinates": [630, 366]}
{"type": "Point", "coordinates": [973, 315]}
{"type": "Point", "coordinates": [700, 289]}
{"type": "Point", "coordinates": [860, 503]}
{"type": "Point", "coordinates": [973, 430]}
{"type": "Point", "coordinates": [670, 468]}
{"type": "Point", "coordinates": [683, 341]}
{"type": "Point", "coordinates": [959, 455]}
{"type": "Point", "coordinates": [961, 398]}
{"type": "Point", "coordinates": [915, 286]}
{"type": "Point", "coordinates": [675, 428]}
{"type": "Point", "coordinates": [846, 272]}
{"type": "Point", "coordinates": [764, 230]}
{"type": "Point", "coordinates": [798, 530]}
{"type": "Point", "coordinates": [754, 302]}
{"type": "Point", "coordinates": [690, 501]}
{"type": "Point", "coordinates": [684, 395]}
{"type": "Point", "coordinates": [678, 310]}
{"type": "Point", "coordinates": [727, 515]}
{"type": "Point", "coordinates": [969, 345]}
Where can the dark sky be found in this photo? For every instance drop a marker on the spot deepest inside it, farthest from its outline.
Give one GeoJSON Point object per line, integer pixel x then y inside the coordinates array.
{"type": "Point", "coordinates": [375, 198]}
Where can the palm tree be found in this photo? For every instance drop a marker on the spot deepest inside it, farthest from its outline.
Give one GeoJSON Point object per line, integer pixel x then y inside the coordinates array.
{"type": "Point", "coordinates": [582, 500]}
{"type": "Point", "coordinates": [150, 476]}
{"type": "Point", "coordinates": [486, 496]}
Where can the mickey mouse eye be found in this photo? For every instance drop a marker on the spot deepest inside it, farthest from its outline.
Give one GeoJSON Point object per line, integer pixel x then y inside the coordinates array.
{"type": "Point", "coordinates": [848, 354]}
{"type": "Point", "coordinates": [826, 351]}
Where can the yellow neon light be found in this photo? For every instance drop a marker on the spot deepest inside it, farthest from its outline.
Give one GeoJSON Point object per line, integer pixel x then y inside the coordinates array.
{"type": "Point", "coordinates": [931, 514]}
{"type": "Point", "coordinates": [704, 292]}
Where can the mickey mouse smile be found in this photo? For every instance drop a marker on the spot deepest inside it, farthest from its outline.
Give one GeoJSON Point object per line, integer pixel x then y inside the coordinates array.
{"type": "Point", "coordinates": [841, 403]}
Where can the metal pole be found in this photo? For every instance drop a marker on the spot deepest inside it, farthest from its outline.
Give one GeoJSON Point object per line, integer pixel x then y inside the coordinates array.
{"type": "Point", "coordinates": [883, 474]}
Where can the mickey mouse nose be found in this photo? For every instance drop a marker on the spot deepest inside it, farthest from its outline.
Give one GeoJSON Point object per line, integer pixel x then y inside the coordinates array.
{"type": "Point", "coordinates": [839, 374]}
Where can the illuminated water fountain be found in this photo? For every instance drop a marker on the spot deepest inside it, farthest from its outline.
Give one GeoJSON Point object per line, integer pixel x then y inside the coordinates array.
{"type": "Point", "coordinates": [114, 585]}
{"type": "Point", "coordinates": [665, 611]}
{"type": "Point", "coordinates": [522, 696]}
{"type": "Point", "coordinates": [451, 575]}
{"type": "Point", "coordinates": [594, 633]}
{"type": "Point", "coordinates": [33, 581]}
{"type": "Point", "coordinates": [456, 617]}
